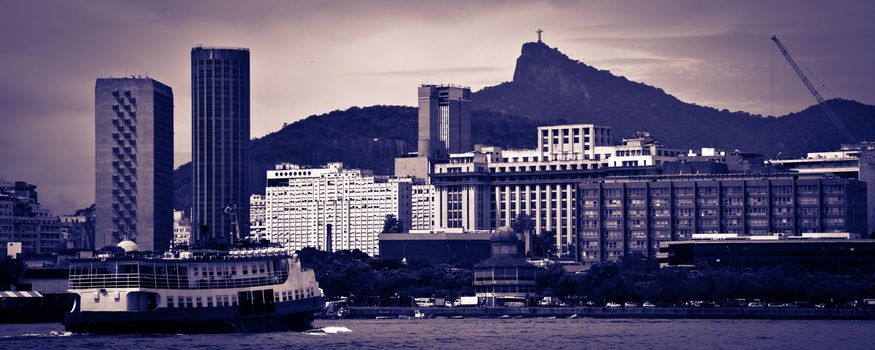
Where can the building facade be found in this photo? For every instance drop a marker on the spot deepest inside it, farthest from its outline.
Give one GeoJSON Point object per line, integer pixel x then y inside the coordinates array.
{"type": "Point", "coordinates": [489, 187]}
{"type": "Point", "coordinates": [257, 206]}
{"type": "Point", "coordinates": [133, 162]}
{"type": "Point", "coordinates": [181, 229]}
{"type": "Point", "coordinates": [332, 208]}
{"type": "Point", "coordinates": [633, 215]}
{"type": "Point", "coordinates": [220, 143]}
{"type": "Point", "coordinates": [855, 161]}
{"type": "Point", "coordinates": [444, 121]}
{"type": "Point", "coordinates": [24, 223]}
{"type": "Point", "coordinates": [422, 212]}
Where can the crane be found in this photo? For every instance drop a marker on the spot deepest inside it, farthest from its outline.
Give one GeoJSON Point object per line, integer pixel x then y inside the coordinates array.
{"type": "Point", "coordinates": [829, 113]}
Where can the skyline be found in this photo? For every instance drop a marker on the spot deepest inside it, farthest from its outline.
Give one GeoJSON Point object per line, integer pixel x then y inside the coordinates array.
{"type": "Point", "coordinates": [306, 59]}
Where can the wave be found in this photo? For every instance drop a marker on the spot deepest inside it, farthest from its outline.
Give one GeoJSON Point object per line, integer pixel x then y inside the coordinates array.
{"type": "Point", "coordinates": [32, 335]}
{"type": "Point", "coordinates": [328, 330]}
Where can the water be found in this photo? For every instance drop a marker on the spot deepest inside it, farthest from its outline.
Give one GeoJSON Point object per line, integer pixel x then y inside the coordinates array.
{"type": "Point", "coordinates": [534, 333]}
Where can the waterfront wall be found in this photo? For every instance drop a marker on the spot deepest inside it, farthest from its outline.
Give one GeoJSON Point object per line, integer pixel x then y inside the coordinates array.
{"type": "Point", "coordinates": [637, 312]}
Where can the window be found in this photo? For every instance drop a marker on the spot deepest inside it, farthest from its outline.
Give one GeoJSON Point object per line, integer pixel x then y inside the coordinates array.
{"type": "Point", "coordinates": [199, 302]}
{"type": "Point", "coordinates": [170, 302]}
{"type": "Point", "coordinates": [210, 301]}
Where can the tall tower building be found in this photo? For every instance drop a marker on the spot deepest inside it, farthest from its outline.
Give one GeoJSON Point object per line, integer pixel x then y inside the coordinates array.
{"type": "Point", "coordinates": [444, 120]}
{"type": "Point", "coordinates": [220, 143]}
{"type": "Point", "coordinates": [133, 162]}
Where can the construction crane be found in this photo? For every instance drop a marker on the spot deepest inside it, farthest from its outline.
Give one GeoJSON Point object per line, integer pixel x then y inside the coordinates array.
{"type": "Point", "coordinates": [829, 113]}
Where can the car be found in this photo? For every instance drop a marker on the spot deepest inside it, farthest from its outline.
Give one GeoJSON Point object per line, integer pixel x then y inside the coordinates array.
{"type": "Point", "coordinates": [820, 306]}
{"type": "Point", "coordinates": [612, 305]}
{"type": "Point", "coordinates": [631, 304]}
{"type": "Point", "coordinates": [648, 304]}
{"type": "Point", "coordinates": [755, 304]}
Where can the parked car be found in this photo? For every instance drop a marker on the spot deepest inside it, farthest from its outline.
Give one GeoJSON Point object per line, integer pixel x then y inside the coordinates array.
{"type": "Point", "coordinates": [648, 304]}
{"type": "Point", "coordinates": [755, 304]}
{"type": "Point", "coordinates": [631, 304]}
{"type": "Point", "coordinates": [612, 305]}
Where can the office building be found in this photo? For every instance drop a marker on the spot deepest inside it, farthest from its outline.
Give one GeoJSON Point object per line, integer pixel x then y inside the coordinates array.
{"type": "Point", "coordinates": [220, 144]}
{"type": "Point", "coordinates": [25, 226]}
{"type": "Point", "coordinates": [854, 161]}
{"type": "Point", "coordinates": [444, 121]}
{"type": "Point", "coordinates": [487, 188]}
{"type": "Point", "coordinates": [332, 208]}
{"type": "Point", "coordinates": [133, 162]}
{"type": "Point", "coordinates": [633, 215]}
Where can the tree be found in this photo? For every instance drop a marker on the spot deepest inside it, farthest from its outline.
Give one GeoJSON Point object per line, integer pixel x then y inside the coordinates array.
{"type": "Point", "coordinates": [392, 224]}
{"type": "Point", "coordinates": [544, 243]}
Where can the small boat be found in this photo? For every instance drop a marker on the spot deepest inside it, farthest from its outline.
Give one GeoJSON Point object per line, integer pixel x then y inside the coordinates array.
{"type": "Point", "coordinates": [457, 317]}
{"type": "Point", "coordinates": [573, 316]}
{"type": "Point", "coordinates": [504, 317]}
{"type": "Point", "coordinates": [418, 314]}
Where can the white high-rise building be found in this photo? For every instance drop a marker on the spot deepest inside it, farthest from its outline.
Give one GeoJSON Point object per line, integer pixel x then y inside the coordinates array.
{"type": "Point", "coordinates": [332, 208]}
{"type": "Point", "coordinates": [422, 207]}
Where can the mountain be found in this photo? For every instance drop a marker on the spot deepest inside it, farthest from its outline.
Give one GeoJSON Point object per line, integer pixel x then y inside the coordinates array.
{"type": "Point", "coordinates": [548, 84]}
{"type": "Point", "coordinates": [548, 88]}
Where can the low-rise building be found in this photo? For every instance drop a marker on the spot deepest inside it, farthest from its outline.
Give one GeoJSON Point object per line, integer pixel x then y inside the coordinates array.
{"type": "Point", "coordinates": [822, 254]}
{"type": "Point", "coordinates": [437, 246]}
{"type": "Point", "coordinates": [505, 278]}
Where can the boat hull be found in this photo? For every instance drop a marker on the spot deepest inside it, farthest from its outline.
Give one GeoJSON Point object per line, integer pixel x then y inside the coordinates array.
{"type": "Point", "coordinates": [289, 316]}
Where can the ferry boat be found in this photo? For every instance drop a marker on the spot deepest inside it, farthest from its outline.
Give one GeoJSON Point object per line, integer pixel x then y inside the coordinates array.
{"type": "Point", "coordinates": [247, 290]}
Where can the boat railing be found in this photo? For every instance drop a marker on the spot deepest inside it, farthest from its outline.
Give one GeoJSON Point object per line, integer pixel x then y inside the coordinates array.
{"type": "Point", "coordinates": [141, 280]}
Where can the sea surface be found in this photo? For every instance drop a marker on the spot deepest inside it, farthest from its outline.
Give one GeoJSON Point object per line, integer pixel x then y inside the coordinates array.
{"type": "Point", "coordinates": [472, 333]}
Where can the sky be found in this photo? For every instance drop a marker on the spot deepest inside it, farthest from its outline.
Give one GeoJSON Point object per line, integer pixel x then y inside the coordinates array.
{"type": "Point", "coordinates": [312, 57]}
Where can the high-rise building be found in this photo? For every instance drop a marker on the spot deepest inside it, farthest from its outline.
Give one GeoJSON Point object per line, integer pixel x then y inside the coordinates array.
{"type": "Point", "coordinates": [220, 143]}
{"type": "Point", "coordinates": [444, 121]}
{"type": "Point", "coordinates": [133, 162]}
{"type": "Point", "coordinates": [333, 208]}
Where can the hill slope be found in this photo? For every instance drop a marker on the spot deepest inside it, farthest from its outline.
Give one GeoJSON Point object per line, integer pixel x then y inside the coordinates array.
{"type": "Point", "coordinates": [548, 84]}
{"type": "Point", "coordinates": [547, 88]}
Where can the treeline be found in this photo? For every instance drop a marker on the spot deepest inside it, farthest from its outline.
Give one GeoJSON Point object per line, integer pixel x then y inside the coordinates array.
{"type": "Point", "coordinates": [635, 279]}
{"type": "Point", "coordinates": [368, 281]}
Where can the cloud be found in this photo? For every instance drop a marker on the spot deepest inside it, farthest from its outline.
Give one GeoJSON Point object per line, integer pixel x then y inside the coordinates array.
{"type": "Point", "coordinates": [437, 71]}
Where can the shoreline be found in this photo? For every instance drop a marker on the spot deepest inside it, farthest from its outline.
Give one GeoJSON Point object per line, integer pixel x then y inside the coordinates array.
{"type": "Point", "coordinates": [362, 312]}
